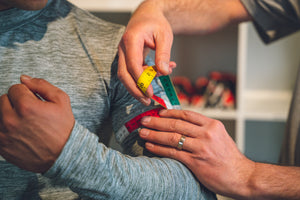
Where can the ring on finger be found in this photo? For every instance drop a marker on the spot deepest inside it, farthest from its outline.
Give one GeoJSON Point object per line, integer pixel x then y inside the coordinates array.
{"type": "Point", "coordinates": [180, 143]}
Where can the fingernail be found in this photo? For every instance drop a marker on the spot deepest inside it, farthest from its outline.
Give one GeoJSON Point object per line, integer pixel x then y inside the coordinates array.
{"type": "Point", "coordinates": [149, 145]}
{"type": "Point", "coordinates": [25, 77]}
{"type": "Point", "coordinates": [165, 67]}
{"type": "Point", "coordinates": [144, 132]}
{"type": "Point", "coordinates": [145, 101]}
{"type": "Point", "coordinates": [162, 112]}
{"type": "Point", "coordinates": [145, 120]}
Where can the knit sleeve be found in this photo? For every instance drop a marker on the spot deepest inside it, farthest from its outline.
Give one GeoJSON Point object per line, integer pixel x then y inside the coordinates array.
{"type": "Point", "coordinates": [95, 171]}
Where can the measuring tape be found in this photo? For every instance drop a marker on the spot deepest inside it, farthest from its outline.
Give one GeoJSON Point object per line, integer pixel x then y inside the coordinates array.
{"type": "Point", "coordinates": [168, 99]}
{"type": "Point", "coordinates": [145, 80]}
{"type": "Point", "coordinates": [169, 89]}
{"type": "Point", "coordinates": [136, 122]}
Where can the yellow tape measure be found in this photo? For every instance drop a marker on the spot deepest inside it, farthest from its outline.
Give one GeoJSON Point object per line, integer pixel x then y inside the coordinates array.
{"type": "Point", "coordinates": [146, 78]}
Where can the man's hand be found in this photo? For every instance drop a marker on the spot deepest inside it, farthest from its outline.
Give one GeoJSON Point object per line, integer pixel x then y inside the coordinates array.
{"type": "Point", "coordinates": [208, 151]}
{"type": "Point", "coordinates": [152, 26]}
{"type": "Point", "coordinates": [33, 132]}
{"type": "Point", "coordinates": [147, 29]}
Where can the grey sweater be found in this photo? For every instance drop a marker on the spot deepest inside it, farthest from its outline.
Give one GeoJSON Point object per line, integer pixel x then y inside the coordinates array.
{"type": "Point", "coordinates": [77, 52]}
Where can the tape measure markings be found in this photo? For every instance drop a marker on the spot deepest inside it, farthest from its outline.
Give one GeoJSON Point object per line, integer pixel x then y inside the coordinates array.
{"type": "Point", "coordinates": [135, 123]}
{"type": "Point", "coordinates": [143, 83]}
{"type": "Point", "coordinates": [169, 89]}
{"type": "Point", "coordinates": [146, 78]}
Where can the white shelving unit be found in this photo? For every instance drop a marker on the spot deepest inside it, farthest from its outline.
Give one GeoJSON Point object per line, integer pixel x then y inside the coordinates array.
{"type": "Point", "coordinates": [265, 77]}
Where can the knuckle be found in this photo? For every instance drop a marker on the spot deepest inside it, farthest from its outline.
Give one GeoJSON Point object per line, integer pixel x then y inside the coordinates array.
{"type": "Point", "coordinates": [25, 108]}
{"type": "Point", "coordinates": [14, 88]}
{"type": "Point", "coordinates": [186, 114]}
{"type": "Point", "coordinates": [127, 37]}
{"type": "Point", "coordinates": [9, 123]}
{"type": "Point", "coordinates": [172, 153]}
{"type": "Point", "coordinates": [217, 124]}
{"type": "Point", "coordinates": [60, 96]}
{"type": "Point", "coordinates": [173, 140]}
{"type": "Point", "coordinates": [207, 134]}
{"type": "Point", "coordinates": [63, 96]}
{"type": "Point", "coordinates": [194, 130]}
{"type": "Point", "coordinates": [174, 125]}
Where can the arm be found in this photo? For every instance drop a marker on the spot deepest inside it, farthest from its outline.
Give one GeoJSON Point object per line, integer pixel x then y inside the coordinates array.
{"type": "Point", "coordinates": [215, 160]}
{"type": "Point", "coordinates": [201, 16]}
{"type": "Point", "coordinates": [95, 171]}
{"type": "Point", "coordinates": [152, 26]}
{"type": "Point", "coordinates": [36, 136]}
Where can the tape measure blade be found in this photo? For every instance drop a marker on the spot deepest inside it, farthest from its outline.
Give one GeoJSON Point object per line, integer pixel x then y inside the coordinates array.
{"type": "Point", "coordinates": [169, 89]}
{"type": "Point", "coordinates": [146, 78]}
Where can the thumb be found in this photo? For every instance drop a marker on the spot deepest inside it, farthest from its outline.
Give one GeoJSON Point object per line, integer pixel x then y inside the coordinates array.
{"type": "Point", "coordinates": [162, 54]}
{"type": "Point", "coordinates": [43, 88]}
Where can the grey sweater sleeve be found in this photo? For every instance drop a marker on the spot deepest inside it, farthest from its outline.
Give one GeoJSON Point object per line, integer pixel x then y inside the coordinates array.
{"type": "Point", "coordinates": [92, 170]}
{"type": "Point", "coordinates": [274, 19]}
{"type": "Point", "coordinates": [95, 171]}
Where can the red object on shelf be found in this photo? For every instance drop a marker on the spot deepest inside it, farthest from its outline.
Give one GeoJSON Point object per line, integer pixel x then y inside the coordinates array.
{"type": "Point", "coordinates": [216, 91]}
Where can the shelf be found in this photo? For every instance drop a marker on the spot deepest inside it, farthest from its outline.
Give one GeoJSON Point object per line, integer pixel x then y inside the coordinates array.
{"type": "Point", "coordinates": [214, 113]}
{"type": "Point", "coordinates": [267, 105]}
{"type": "Point", "coordinates": [258, 106]}
{"type": "Point", "coordinates": [107, 5]}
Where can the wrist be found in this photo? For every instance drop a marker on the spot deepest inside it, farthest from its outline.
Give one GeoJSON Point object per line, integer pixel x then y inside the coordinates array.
{"type": "Point", "coordinates": [245, 187]}
{"type": "Point", "coordinates": [261, 182]}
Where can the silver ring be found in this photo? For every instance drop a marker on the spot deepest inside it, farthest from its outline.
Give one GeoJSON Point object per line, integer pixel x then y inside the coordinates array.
{"type": "Point", "coordinates": [180, 143]}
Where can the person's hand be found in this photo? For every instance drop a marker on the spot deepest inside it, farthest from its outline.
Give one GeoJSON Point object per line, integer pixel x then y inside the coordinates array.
{"type": "Point", "coordinates": [208, 150]}
{"type": "Point", "coordinates": [152, 26]}
{"type": "Point", "coordinates": [147, 29]}
{"type": "Point", "coordinates": [33, 132]}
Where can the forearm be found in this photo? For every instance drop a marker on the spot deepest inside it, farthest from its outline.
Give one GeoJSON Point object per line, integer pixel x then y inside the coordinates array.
{"type": "Point", "coordinates": [275, 182]}
{"type": "Point", "coordinates": [94, 171]}
{"type": "Point", "coordinates": [201, 16]}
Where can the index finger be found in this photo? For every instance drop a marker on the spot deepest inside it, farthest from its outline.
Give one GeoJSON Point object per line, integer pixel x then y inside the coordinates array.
{"type": "Point", "coordinates": [186, 115]}
{"type": "Point", "coordinates": [129, 79]}
{"type": "Point", "coordinates": [172, 125]}
{"type": "Point", "coordinates": [19, 95]}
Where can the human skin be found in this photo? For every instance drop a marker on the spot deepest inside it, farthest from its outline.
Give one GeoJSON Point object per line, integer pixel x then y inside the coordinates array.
{"type": "Point", "coordinates": [153, 25]}
{"type": "Point", "coordinates": [16, 108]}
{"type": "Point", "coordinates": [24, 116]}
{"type": "Point", "coordinates": [208, 151]}
{"type": "Point", "coordinates": [211, 154]}
{"type": "Point", "coordinates": [23, 4]}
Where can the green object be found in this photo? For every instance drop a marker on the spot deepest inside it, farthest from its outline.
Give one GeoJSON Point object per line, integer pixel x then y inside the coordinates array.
{"type": "Point", "coordinates": [169, 88]}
